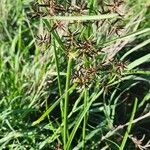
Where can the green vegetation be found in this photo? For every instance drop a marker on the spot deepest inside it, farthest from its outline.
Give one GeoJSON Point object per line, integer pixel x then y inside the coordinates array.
{"type": "Point", "coordinates": [74, 75]}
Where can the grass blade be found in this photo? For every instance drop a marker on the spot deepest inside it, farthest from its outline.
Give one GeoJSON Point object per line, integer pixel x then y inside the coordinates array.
{"type": "Point", "coordinates": [79, 120]}
{"type": "Point", "coordinates": [66, 101]}
{"type": "Point", "coordinates": [52, 107]}
{"type": "Point", "coordinates": [135, 48]}
{"type": "Point", "coordinates": [85, 118]}
{"type": "Point", "coordinates": [129, 126]}
{"type": "Point", "coordinates": [82, 18]}
{"type": "Point", "coordinates": [139, 61]}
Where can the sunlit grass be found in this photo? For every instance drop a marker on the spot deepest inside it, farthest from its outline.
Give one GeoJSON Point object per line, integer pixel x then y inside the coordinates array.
{"type": "Point", "coordinates": [71, 79]}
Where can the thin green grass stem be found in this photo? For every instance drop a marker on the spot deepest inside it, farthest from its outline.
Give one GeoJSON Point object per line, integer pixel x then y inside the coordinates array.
{"type": "Point", "coordinates": [58, 80]}
{"type": "Point", "coordinates": [129, 126]}
{"type": "Point", "coordinates": [85, 118]}
{"type": "Point", "coordinates": [80, 118]}
{"type": "Point", "coordinates": [66, 102]}
{"type": "Point", "coordinates": [58, 72]}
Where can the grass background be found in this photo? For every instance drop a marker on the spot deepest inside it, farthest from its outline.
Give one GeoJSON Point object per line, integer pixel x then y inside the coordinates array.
{"type": "Point", "coordinates": [74, 75]}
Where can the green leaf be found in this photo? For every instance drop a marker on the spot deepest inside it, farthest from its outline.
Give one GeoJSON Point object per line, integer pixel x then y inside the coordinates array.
{"type": "Point", "coordinates": [139, 61]}
{"type": "Point", "coordinates": [129, 126]}
{"type": "Point", "coordinates": [135, 48]}
{"type": "Point", "coordinates": [82, 18]}
{"type": "Point", "coordinates": [80, 118]}
{"type": "Point", "coordinates": [52, 107]}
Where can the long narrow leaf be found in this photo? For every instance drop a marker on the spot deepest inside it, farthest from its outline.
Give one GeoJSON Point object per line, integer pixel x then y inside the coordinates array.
{"type": "Point", "coordinates": [52, 107]}
{"type": "Point", "coordinates": [82, 18]}
{"type": "Point", "coordinates": [139, 61]}
{"type": "Point", "coordinates": [80, 118]}
{"type": "Point", "coordinates": [129, 126]}
{"type": "Point", "coordinates": [135, 48]}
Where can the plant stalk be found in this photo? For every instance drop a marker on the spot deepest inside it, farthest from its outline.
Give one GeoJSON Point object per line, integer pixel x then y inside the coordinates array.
{"type": "Point", "coordinates": [129, 126]}
{"type": "Point", "coordinates": [85, 118]}
{"type": "Point", "coordinates": [66, 102]}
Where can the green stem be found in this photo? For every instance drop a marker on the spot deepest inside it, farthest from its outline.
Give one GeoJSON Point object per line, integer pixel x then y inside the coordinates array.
{"type": "Point", "coordinates": [85, 119]}
{"type": "Point", "coordinates": [57, 69]}
{"type": "Point", "coordinates": [58, 76]}
{"type": "Point", "coordinates": [19, 38]}
{"type": "Point", "coordinates": [66, 102]}
{"type": "Point", "coordinates": [129, 126]}
{"type": "Point", "coordinates": [80, 118]}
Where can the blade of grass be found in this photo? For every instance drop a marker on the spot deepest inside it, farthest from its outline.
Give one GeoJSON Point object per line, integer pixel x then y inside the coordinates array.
{"type": "Point", "coordinates": [58, 72]}
{"type": "Point", "coordinates": [88, 137]}
{"type": "Point", "coordinates": [65, 138]}
{"type": "Point", "coordinates": [52, 107]}
{"type": "Point", "coordinates": [82, 18]}
{"type": "Point", "coordinates": [114, 143]}
{"type": "Point", "coordinates": [135, 48]}
{"type": "Point", "coordinates": [129, 126]}
{"type": "Point", "coordinates": [139, 61]}
{"type": "Point", "coordinates": [146, 99]}
{"type": "Point", "coordinates": [7, 33]}
{"type": "Point", "coordinates": [75, 107]}
{"type": "Point", "coordinates": [79, 120]}
{"type": "Point", "coordinates": [55, 34]}
{"type": "Point", "coordinates": [128, 36]}
{"type": "Point", "coordinates": [85, 118]}
{"type": "Point", "coordinates": [20, 38]}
